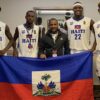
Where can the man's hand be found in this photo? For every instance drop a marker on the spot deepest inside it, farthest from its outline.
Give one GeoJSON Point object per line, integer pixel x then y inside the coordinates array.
{"type": "Point", "coordinates": [15, 53]}
{"type": "Point", "coordinates": [2, 52]}
{"type": "Point", "coordinates": [43, 56]}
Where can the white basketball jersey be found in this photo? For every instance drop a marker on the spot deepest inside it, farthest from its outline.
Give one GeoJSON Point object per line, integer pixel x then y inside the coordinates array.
{"type": "Point", "coordinates": [28, 41]}
{"type": "Point", "coordinates": [2, 36]}
{"type": "Point", "coordinates": [97, 34]}
{"type": "Point", "coordinates": [79, 33]}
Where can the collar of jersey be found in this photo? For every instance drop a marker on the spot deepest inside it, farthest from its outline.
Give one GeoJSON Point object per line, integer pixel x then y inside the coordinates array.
{"type": "Point", "coordinates": [78, 18]}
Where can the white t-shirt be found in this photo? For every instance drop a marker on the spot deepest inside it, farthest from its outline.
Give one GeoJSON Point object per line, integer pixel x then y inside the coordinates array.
{"type": "Point", "coordinates": [54, 36]}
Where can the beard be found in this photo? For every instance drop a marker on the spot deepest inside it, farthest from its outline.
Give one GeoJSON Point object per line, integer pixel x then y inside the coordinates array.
{"type": "Point", "coordinates": [53, 31]}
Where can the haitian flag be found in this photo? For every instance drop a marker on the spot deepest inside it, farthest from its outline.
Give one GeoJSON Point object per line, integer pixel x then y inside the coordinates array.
{"type": "Point", "coordinates": [61, 78]}
{"type": "Point", "coordinates": [77, 26]}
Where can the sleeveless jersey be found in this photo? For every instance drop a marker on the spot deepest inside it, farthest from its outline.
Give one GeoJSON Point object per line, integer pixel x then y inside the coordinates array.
{"type": "Point", "coordinates": [79, 33]}
{"type": "Point", "coordinates": [28, 41]}
{"type": "Point", "coordinates": [97, 34]}
{"type": "Point", "coordinates": [2, 35]}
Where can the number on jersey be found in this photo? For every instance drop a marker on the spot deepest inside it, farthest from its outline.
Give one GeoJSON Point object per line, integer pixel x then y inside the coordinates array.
{"type": "Point", "coordinates": [77, 36]}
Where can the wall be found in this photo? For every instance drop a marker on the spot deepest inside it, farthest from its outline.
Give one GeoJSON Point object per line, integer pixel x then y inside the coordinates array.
{"type": "Point", "coordinates": [13, 11]}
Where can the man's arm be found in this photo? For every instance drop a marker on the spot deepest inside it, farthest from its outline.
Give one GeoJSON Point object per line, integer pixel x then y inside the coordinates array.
{"type": "Point", "coordinates": [43, 32]}
{"type": "Point", "coordinates": [92, 29]}
{"type": "Point", "coordinates": [42, 49]}
{"type": "Point", "coordinates": [9, 36]}
{"type": "Point", "coordinates": [66, 46]}
{"type": "Point", "coordinates": [65, 26]}
{"type": "Point", "coordinates": [16, 35]}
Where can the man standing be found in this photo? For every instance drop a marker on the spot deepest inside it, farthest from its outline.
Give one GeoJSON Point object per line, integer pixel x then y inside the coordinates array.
{"type": "Point", "coordinates": [4, 32]}
{"type": "Point", "coordinates": [27, 35]}
{"type": "Point", "coordinates": [97, 34]}
{"type": "Point", "coordinates": [68, 15]}
{"type": "Point", "coordinates": [41, 27]}
{"type": "Point", "coordinates": [79, 30]}
{"type": "Point", "coordinates": [54, 43]}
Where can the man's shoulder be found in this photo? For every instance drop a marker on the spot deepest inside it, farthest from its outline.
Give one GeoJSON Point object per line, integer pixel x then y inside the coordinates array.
{"type": "Point", "coordinates": [70, 19]}
{"type": "Point", "coordinates": [87, 18]}
{"type": "Point", "coordinates": [21, 25]}
{"type": "Point", "coordinates": [62, 30]}
{"type": "Point", "coordinates": [41, 26]}
{"type": "Point", "coordinates": [2, 23]}
{"type": "Point", "coordinates": [96, 23]}
{"type": "Point", "coordinates": [36, 26]}
{"type": "Point", "coordinates": [62, 34]}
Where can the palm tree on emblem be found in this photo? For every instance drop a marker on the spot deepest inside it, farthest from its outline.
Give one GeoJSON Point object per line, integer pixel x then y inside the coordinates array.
{"type": "Point", "coordinates": [45, 78]}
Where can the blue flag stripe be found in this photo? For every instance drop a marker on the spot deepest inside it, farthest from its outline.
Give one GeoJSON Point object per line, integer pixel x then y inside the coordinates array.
{"type": "Point", "coordinates": [72, 67]}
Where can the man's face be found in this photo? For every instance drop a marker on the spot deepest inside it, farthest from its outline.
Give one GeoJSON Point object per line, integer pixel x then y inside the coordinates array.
{"type": "Point", "coordinates": [30, 16]}
{"type": "Point", "coordinates": [78, 10]}
{"type": "Point", "coordinates": [53, 25]}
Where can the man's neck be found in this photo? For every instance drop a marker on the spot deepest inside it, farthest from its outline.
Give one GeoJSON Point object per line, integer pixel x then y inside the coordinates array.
{"type": "Point", "coordinates": [29, 26]}
{"type": "Point", "coordinates": [78, 17]}
{"type": "Point", "coordinates": [54, 32]}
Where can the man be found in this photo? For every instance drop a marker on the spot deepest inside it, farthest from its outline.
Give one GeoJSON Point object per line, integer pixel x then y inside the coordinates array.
{"type": "Point", "coordinates": [79, 30]}
{"type": "Point", "coordinates": [27, 35]}
{"type": "Point", "coordinates": [41, 27]}
{"type": "Point", "coordinates": [5, 32]}
{"type": "Point", "coordinates": [54, 43]}
{"type": "Point", "coordinates": [68, 15]}
{"type": "Point", "coordinates": [97, 34]}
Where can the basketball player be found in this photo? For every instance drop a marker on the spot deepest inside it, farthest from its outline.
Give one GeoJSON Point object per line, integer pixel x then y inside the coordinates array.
{"type": "Point", "coordinates": [27, 35]}
{"type": "Point", "coordinates": [41, 27]}
{"type": "Point", "coordinates": [97, 34]}
{"type": "Point", "coordinates": [79, 30]}
{"type": "Point", "coordinates": [4, 32]}
{"type": "Point", "coordinates": [68, 15]}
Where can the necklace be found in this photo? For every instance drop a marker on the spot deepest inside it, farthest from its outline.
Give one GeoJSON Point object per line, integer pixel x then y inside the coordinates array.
{"type": "Point", "coordinates": [29, 36]}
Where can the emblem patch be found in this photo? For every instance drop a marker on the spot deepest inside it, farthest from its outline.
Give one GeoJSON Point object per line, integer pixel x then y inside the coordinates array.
{"type": "Point", "coordinates": [46, 83]}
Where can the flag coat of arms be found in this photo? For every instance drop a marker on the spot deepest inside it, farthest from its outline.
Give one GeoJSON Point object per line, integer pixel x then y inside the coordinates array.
{"type": "Point", "coordinates": [60, 78]}
{"type": "Point", "coordinates": [47, 83]}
